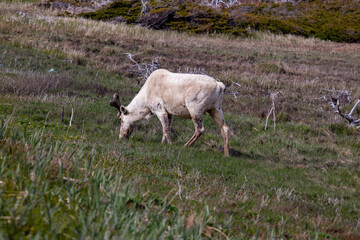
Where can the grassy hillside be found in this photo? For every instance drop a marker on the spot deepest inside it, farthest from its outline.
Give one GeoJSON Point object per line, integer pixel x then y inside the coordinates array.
{"type": "Point", "coordinates": [300, 181]}
{"type": "Point", "coordinates": [335, 20]}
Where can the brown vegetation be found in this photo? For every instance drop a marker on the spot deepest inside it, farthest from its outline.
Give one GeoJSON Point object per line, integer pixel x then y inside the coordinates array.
{"type": "Point", "coordinates": [299, 67]}
{"type": "Point", "coordinates": [33, 84]}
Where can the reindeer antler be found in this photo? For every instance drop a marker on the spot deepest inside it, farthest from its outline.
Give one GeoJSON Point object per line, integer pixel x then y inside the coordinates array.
{"type": "Point", "coordinates": [116, 103]}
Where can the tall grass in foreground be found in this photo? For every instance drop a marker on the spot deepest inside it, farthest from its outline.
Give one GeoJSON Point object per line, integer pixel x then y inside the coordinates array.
{"type": "Point", "coordinates": [50, 189]}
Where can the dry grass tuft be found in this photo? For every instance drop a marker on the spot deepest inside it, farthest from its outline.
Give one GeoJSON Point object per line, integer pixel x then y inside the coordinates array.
{"type": "Point", "coordinates": [30, 83]}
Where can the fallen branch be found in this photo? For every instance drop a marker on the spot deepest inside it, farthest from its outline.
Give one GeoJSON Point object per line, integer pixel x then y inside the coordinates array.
{"type": "Point", "coordinates": [349, 117]}
{"type": "Point", "coordinates": [342, 96]}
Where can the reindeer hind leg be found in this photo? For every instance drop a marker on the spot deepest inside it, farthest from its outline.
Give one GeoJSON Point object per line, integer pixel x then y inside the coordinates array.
{"type": "Point", "coordinates": [199, 130]}
{"type": "Point", "coordinates": [218, 117]}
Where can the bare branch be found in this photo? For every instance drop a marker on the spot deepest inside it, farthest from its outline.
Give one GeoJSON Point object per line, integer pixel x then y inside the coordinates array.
{"type": "Point", "coordinates": [267, 118]}
{"type": "Point", "coordinates": [353, 109]}
{"type": "Point", "coordinates": [130, 57]}
{"type": "Point", "coordinates": [144, 7]}
{"type": "Point", "coordinates": [143, 69]}
{"type": "Point", "coordinates": [272, 109]}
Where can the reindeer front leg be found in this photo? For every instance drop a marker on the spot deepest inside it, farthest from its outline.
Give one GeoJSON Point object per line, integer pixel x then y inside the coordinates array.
{"type": "Point", "coordinates": [165, 122]}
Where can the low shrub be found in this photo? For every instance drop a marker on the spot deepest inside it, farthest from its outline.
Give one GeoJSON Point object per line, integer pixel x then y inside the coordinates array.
{"type": "Point", "coordinates": [335, 20]}
{"type": "Point", "coordinates": [128, 10]}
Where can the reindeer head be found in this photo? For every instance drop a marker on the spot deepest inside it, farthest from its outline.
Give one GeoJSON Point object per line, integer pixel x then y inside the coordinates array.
{"type": "Point", "coordinates": [126, 127]}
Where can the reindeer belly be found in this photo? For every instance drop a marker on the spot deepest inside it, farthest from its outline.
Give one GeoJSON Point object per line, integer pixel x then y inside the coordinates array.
{"type": "Point", "coordinates": [178, 110]}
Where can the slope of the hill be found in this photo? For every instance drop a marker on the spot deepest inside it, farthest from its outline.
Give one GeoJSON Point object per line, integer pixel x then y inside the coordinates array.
{"type": "Point", "coordinates": [335, 20]}
{"type": "Point", "coordinates": [300, 181]}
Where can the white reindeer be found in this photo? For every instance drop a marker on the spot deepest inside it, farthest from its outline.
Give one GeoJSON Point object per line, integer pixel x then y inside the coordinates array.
{"type": "Point", "coordinates": [185, 95]}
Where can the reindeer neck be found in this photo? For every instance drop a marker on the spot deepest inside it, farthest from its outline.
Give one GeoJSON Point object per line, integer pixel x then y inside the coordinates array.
{"type": "Point", "coordinates": [138, 106]}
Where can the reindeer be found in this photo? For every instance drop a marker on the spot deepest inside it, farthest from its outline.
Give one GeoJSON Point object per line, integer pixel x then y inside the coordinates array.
{"type": "Point", "coordinates": [165, 94]}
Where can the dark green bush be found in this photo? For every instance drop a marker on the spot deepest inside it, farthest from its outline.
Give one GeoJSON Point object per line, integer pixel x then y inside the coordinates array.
{"type": "Point", "coordinates": [129, 10]}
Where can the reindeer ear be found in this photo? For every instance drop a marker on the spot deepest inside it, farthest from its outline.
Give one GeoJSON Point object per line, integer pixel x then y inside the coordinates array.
{"type": "Point", "coordinates": [123, 110]}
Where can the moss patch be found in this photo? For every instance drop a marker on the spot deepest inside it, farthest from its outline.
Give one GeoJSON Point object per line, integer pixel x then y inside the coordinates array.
{"type": "Point", "coordinates": [129, 10]}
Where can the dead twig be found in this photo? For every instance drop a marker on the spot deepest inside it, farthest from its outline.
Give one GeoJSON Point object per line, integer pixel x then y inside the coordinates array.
{"type": "Point", "coordinates": [221, 3]}
{"type": "Point", "coordinates": [70, 179]}
{"type": "Point", "coordinates": [272, 109]}
{"type": "Point", "coordinates": [144, 7]}
{"type": "Point", "coordinates": [72, 115]}
{"type": "Point", "coordinates": [191, 70]}
{"type": "Point", "coordinates": [231, 91]}
{"type": "Point", "coordinates": [218, 230]}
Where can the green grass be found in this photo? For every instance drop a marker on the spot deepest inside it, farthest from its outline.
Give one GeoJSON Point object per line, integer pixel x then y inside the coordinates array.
{"type": "Point", "coordinates": [53, 189]}
{"type": "Point", "coordinates": [78, 181]}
